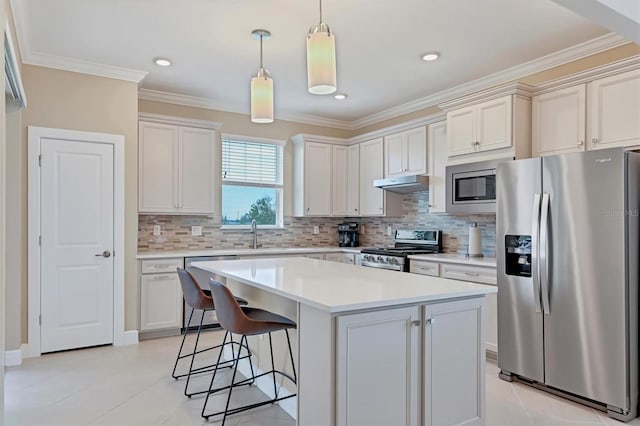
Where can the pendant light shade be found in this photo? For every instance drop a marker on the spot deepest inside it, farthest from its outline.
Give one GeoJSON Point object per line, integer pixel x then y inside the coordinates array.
{"type": "Point", "coordinates": [321, 59]}
{"type": "Point", "coordinates": [261, 88]}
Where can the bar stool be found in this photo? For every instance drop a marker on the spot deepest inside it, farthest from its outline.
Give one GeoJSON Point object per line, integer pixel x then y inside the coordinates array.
{"type": "Point", "coordinates": [197, 298]}
{"type": "Point", "coordinates": [246, 321]}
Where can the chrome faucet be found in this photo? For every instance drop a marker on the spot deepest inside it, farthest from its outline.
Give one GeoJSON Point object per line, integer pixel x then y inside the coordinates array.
{"type": "Point", "coordinates": [254, 231]}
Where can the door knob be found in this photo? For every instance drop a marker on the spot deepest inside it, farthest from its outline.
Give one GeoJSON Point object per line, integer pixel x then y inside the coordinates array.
{"type": "Point", "coordinates": [105, 253]}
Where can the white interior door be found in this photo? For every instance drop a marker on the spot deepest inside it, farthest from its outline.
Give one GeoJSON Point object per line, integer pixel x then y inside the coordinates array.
{"type": "Point", "coordinates": [77, 229]}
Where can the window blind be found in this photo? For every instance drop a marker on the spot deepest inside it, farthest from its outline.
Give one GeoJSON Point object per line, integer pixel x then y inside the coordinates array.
{"type": "Point", "coordinates": [251, 162]}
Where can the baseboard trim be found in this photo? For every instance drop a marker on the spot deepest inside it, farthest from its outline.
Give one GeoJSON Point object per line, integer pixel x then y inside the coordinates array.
{"type": "Point", "coordinates": [13, 358]}
{"type": "Point", "coordinates": [493, 355]}
{"type": "Point", "coordinates": [127, 338]}
{"type": "Point", "coordinates": [265, 384]}
{"type": "Point", "coordinates": [154, 334]}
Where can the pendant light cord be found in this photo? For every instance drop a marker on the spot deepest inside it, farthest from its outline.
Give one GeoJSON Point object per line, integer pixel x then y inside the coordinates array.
{"type": "Point", "coordinates": [261, 52]}
{"type": "Point", "coordinates": [321, 11]}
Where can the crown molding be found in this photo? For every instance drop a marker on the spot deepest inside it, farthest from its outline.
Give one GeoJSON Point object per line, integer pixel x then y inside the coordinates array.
{"type": "Point", "coordinates": [514, 88]}
{"type": "Point", "coordinates": [305, 137]}
{"type": "Point", "coordinates": [206, 103]}
{"type": "Point", "coordinates": [179, 121]}
{"type": "Point", "coordinates": [606, 70]}
{"type": "Point", "coordinates": [396, 128]}
{"type": "Point", "coordinates": [591, 47]}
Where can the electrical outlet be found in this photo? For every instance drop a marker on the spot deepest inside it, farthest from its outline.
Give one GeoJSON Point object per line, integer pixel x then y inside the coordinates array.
{"type": "Point", "coordinates": [316, 229]}
{"type": "Point", "coordinates": [156, 230]}
{"type": "Point", "coordinates": [389, 231]}
{"type": "Point", "coordinates": [196, 231]}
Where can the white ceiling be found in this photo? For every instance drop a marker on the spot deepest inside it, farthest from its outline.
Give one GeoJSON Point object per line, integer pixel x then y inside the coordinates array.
{"type": "Point", "coordinates": [378, 44]}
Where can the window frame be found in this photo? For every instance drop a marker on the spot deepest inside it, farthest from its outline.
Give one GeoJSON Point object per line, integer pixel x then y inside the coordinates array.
{"type": "Point", "coordinates": [279, 187]}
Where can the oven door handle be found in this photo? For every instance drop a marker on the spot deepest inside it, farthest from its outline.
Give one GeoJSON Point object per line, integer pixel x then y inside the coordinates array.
{"type": "Point", "coordinates": [398, 268]}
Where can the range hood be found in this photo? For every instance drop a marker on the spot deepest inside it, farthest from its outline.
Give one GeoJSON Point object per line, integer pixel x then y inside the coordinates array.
{"type": "Point", "coordinates": [403, 184]}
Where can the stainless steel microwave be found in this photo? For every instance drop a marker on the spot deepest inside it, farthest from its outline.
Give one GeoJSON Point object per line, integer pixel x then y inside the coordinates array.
{"type": "Point", "coordinates": [471, 188]}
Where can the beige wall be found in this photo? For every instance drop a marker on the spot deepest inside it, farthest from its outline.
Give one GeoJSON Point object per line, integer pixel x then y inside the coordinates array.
{"type": "Point", "coordinates": [75, 101]}
{"type": "Point", "coordinates": [2, 228]}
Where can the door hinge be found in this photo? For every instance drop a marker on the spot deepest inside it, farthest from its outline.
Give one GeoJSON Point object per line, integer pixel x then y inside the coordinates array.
{"type": "Point", "coordinates": [40, 319]}
{"type": "Point", "coordinates": [113, 253]}
{"type": "Point", "coordinates": [40, 240]}
{"type": "Point", "coordinates": [40, 160]}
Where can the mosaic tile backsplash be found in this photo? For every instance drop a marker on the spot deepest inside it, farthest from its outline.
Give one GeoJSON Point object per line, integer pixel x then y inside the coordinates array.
{"type": "Point", "coordinates": [297, 232]}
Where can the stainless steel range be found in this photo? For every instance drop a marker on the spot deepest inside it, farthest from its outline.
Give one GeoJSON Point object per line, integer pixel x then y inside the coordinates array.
{"type": "Point", "coordinates": [407, 242]}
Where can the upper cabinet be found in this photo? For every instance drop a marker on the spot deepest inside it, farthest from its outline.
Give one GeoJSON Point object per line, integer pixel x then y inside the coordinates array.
{"type": "Point", "coordinates": [346, 180]}
{"type": "Point", "coordinates": [437, 133]}
{"type": "Point", "coordinates": [480, 130]}
{"type": "Point", "coordinates": [600, 114]}
{"type": "Point", "coordinates": [481, 127]}
{"type": "Point", "coordinates": [613, 111]}
{"type": "Point", "coordinates": [405, 153]}
{"type": "Point", "coordinates": [175, 169]}
{"type": "Point", "coordinates": [375, 201]}
{"type": "Point", "coordinates": [313, 177]}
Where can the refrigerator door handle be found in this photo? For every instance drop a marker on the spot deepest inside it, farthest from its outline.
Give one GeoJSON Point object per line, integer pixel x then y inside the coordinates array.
{"type": "Point", "coordinates": [535, 264]}
{"type": "Point", "coordinates": [544, 253]}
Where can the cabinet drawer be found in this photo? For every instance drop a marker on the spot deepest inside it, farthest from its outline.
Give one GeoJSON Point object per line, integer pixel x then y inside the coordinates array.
{"type": "Point", "coordinates": [476, 274]}
{"type": "Point", "coordinates": [157, 266]}
{"type": "Point", "coordinates": [424, 268]}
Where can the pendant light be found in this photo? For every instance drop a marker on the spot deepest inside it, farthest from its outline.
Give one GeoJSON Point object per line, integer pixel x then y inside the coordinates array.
{"type": "Point", "coordinates": [321, 59]}
{"type": "Point", "coordinates": [261, 87]}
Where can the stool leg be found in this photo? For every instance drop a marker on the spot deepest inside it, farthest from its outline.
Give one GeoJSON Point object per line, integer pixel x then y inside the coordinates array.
{"type": "Point", "coordinates": [273, 370]}
{"type": "Point", "coordinates": [233, 379]}
{"type": "Point", "coordinates": [213, 377]}
{"type": "Point", "coordinates": [175, 366]}
{"type": "Point", "coordinates": [293, 365]}
{"type": "Point", "coordinates": [193, 357]}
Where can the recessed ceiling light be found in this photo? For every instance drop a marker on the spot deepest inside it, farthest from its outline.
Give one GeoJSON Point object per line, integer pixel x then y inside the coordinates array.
{"type": "Point", "coordinates": [430, 56]}
{"type": "Point", "coordinates": [162, 62]}
{"type": "Point", "coordinates": [340, 96]}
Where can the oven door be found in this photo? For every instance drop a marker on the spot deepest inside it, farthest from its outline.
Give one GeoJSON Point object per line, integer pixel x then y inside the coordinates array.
{"type": "Point", "coordinates": [365, 261]}
{"type": "Point", "coordinates": [471, 188]}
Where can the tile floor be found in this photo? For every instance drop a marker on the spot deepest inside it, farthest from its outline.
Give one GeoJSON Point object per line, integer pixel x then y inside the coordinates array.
{"type": "Point", "coordinates": [131, 385]}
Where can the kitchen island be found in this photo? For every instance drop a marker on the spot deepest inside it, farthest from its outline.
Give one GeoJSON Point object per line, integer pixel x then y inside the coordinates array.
{"type": "Point", "coordinates": [374, 347]}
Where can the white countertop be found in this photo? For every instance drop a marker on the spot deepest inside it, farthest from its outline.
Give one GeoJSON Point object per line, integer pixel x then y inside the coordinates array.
{"type": "Point", "coordinates": [457, 258]}
{"type": "Point", "coordinates": [339, 288]}
{"type": "Point", "coordinates": [246, 252]}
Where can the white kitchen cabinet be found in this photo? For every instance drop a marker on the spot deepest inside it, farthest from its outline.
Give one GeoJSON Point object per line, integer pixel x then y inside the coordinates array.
{"type": "Point", "coordinates": [312, 179]}
{"type": "Point", "coordinates": [375, 201]}
{"type": "Point", "coordinates": [405, 153]}
{"type": "Point", "coordinates": [477, 274]}
{"type": "Point", "coordinates": [175, 169]}
{"type": "Point", "coordinates": [482, 127]}
{"type": "Point", "coordinates": [424, 267]}
{"type": "Point", "coordinates": [613, 111]}
{"type": "Point", "coordinates": [160, 295]}
{"type": "Point", "coordinates": [437, 146]}
{"type": "Point", "coordinates": [346, 180]}
{"type": "Point", "coordinates": [454, 363]}
{"type": "Point", "coordinates": [379, 351]}
{"type": "Point", "coordinates": [319, 256]}
{"type": "Point", "coordinates": [559, 121]}
{"type": "Point", "coordinates": [349, 258]}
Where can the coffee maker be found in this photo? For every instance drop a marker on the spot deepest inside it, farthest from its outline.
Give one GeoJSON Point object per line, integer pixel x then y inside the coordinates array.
{"type": "Point", "coordinates": [348, 235]}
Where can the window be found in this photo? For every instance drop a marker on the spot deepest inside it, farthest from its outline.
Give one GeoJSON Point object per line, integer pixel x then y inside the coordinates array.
{"type": "Point", "coordinates": [251, 182]}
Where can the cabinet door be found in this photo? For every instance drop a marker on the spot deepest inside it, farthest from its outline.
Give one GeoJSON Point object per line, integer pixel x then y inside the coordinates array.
{"type": "Point", "coordinates": [317, 179]}
{"type": "Point", "coordinates": [157, 168]}
{"type": "Point", "coordinates": [394, 155]}
{"type": "Point", "coordinates": [340, 179]}
{"type": "Point", "coordinates": [491, 326]}
{"type": "Point", "coordinates": [437, 163]}
{"type": "Point", "coordinates": [454, 357]}
{"type": "Point", "coordinates": [334, 257]}
{"type": "Point", "coordinates": [377, 372]}
{"type": "Point", "coordinates": [493, 124]}
{"type": "Point", "coordinates": [160, 302]}
{"type": "Point", "coordinates": [196, 170]}
{"type": "Point", "coordinates": [371, 198]}
{"type": "Point", "coordinates": [614, 111]}
{"type": "Point", "coordinates": [476, 274]}
{"type": "Point", "coordinates": [353, 181]}
{"type": "Point", "coordinates": [416, 151]}
{"type": "Point", "coordinates": [460, 131]}
{"type": "Point", "coordinates": [558, 121]}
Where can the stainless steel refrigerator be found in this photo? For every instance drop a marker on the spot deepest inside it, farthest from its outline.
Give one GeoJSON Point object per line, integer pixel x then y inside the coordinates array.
{"type": "Point", "coordinates": [567, 247]}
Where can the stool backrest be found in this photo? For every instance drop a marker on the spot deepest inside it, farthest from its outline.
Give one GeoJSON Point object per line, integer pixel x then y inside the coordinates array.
{"type": "Point", "coordinates": [228, 311]}
{"type": "Point", "coordinates": [193, 294]}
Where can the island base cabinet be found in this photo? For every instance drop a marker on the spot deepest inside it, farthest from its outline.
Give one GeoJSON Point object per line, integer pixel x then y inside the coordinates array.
{"type": "Point", "coordinates": [454, 358]}
{"type": "Point", "coordinates": [378, 377]}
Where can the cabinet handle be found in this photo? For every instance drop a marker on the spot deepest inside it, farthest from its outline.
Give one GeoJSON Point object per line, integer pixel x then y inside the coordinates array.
{"type": "Point", "coordinates": [415, 323]}
{"type": "Point", "coordinates": [594, 140]}
{"type": "Point", "coordinates": [164, 277]}
{"type": "Point", "coordinates": [580, 143]}
{"type": "Point", "coordinates": [472, 274]}
{"type": "Point", "coordinates": [477, 142]}
{"type": "Point", "coordinates": [430, 321]}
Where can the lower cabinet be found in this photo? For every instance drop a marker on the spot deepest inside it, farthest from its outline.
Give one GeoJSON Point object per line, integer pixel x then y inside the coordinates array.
{"type": "Point", "coordinates": [454, 358]}
{"type": "Point", "coordinates": [477, 274]}
{"type": "Point", "coordinates": [341, 257]}
{"type": "Point", "coordinates": [411, 366]}
{"type": "Point", "coordinates": [160, 294]}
